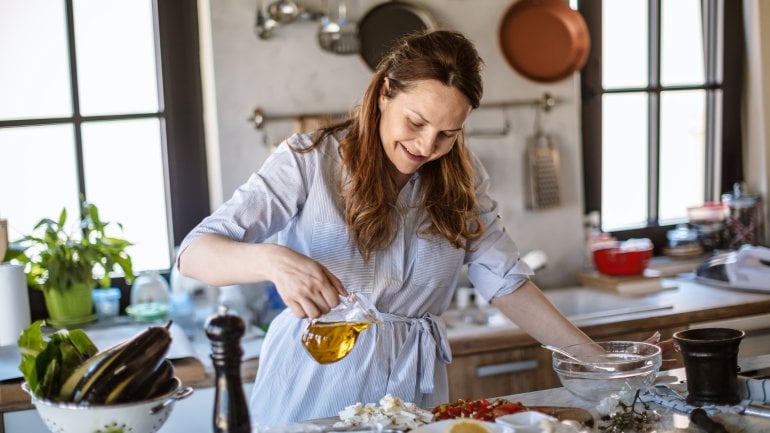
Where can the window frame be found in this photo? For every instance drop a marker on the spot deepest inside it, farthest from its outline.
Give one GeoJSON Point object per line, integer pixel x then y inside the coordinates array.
{"type": "Point", "coordinates": [181, 119]}
{"type": "Point", "coordinates": [723, 143]}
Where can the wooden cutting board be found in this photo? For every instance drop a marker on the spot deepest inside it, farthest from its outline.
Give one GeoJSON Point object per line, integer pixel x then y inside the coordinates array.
{"type": "Point", "coordinates": [559, 412]}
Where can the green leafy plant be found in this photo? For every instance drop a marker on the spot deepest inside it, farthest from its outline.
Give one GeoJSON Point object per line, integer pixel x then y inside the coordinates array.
{"type": "Point", "coordinates": [56, 259]}
{"type": "Point", "coordinates": [47, 363]}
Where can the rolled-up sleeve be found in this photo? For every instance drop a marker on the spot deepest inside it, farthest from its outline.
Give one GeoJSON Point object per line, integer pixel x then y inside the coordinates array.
{"type": "Point", "coordinates": [494, 264]}
{"type": "Point", "coordinates": [265, 203]}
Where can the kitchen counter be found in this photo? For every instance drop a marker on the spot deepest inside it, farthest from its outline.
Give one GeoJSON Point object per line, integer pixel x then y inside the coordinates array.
{"type": "Point", "coordinates": [499, 358]}
{"type": "Point", "coordinates": [686, 303]}
{"type": "Point", "coordinates": [671, 421]}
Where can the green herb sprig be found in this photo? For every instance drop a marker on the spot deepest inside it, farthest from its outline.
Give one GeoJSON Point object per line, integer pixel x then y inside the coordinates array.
{"type": "Point", "coordinates": [626, 418]}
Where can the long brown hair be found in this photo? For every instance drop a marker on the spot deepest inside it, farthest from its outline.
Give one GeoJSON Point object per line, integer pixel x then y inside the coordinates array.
{"type": "Point", "coordinates": [368, 190]}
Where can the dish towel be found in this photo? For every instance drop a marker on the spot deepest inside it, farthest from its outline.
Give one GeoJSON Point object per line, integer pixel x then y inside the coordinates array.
{"type": "Point", "coordinates": [754, 389]}
{"type": "Point", "coordinates": [674, 396]}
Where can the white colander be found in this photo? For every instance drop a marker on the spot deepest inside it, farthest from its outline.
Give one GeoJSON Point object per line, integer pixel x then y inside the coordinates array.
{"type": "Point", "coordinates": [145, 416]}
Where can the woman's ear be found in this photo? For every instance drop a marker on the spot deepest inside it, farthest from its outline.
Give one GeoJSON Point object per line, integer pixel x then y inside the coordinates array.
{"type": "Point", "coordinates": [384, 90]}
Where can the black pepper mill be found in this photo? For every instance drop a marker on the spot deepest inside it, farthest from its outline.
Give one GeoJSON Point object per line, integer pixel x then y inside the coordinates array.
{"type": "Point", "coordinates": [231, 414]}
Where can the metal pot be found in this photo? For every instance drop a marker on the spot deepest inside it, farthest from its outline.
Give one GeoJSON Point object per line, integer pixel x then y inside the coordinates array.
{"type": "Point", "coordinates": [382, 26]}
{"type": "Point", "coordinates": [544, 40]}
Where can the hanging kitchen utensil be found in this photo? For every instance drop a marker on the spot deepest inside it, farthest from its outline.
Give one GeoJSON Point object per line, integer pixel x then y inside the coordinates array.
{"type": "Point", "coordinates": [382, 26]}
{"type": "Point", "coordinates": [263, 25]}
{"type": "Point", "coordinates": [542, 168]}
{"type": "Point", "coordinates": [544, 40]}
{"type": "Point", "coordinates": [339, 36]}
{"type": "Point", "coordinates": [283, 11]}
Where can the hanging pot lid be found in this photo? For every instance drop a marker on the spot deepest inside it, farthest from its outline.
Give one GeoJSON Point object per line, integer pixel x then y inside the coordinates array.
{"type": "Point", "coordinates": [544, 40]}
{"type": "Point", "coordinates": [383, 25]}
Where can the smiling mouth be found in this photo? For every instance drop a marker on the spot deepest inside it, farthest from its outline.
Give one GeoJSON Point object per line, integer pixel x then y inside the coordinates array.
{"type": "Point", "coordinates": [410, 153]}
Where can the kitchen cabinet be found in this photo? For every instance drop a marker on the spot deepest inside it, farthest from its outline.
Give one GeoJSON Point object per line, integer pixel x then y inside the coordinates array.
{"type": "Point", "coordinates": [500, 372]}
{"type": "Point", "coordinates": [516, 370]}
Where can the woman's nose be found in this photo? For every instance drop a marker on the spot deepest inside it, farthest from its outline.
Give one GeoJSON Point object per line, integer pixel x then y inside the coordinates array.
{"type": "Point", "coordinates": [426, 143]}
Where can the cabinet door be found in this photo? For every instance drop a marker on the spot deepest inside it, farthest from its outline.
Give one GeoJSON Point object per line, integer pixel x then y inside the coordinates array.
{"type": "Point", "coordinates": [500, 373]}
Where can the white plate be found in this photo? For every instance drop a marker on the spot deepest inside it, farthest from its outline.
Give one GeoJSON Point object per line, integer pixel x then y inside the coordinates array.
{"type": "Point", "coordinates": [524, 422]}
{"type": "Point", "coordinates": [444, 425]}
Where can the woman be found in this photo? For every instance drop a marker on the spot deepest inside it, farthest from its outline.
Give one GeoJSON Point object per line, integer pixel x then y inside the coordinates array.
{"type": "Point", "coordinates": [389, 204]}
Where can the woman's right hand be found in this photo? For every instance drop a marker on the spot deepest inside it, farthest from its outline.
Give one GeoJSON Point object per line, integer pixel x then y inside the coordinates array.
{"type": "Point", "coordinates": [307, 287]}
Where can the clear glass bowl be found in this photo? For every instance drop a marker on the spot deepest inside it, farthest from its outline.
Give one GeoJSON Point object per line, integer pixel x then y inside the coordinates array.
{"type": "Point", "coordinates": [627, 365]}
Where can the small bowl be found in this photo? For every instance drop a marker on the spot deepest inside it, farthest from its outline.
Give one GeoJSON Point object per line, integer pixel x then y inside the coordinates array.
{"type": "Point", "coordinates": [616, 261]}
{"type": "Point", "coordinates": [525, 422]}
{"type": "Point", "coordinates": [627, 365]}
{"type": "Point", "coordinates": [146, 416]}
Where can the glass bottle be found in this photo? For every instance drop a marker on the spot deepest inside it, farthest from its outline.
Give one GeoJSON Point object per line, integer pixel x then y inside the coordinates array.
{"type": "Point", "coordinates": [231, 414]}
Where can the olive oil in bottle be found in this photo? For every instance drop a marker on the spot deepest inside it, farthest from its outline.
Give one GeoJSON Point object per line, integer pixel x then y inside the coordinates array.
{"type": "Point", "coordinates": [329, 342]}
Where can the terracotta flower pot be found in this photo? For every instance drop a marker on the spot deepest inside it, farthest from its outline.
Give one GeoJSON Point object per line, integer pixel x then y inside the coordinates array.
{"type": "Point", "coordinates": [70, 307]}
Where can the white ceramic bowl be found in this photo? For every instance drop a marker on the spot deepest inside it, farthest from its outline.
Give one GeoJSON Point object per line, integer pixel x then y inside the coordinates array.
{"type": "Point", "coordinates": [525, 422]}
{"type": "Point", "coordinates": [137, 417]}
{"type": "Point", "coordinates": [625, 365]}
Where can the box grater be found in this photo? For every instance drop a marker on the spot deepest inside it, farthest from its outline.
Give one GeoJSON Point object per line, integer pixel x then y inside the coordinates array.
{"type": "Point", "coordinates": [543, 172]}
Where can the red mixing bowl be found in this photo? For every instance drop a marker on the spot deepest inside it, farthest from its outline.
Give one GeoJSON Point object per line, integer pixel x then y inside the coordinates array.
{"type": "Point", "coordinates": [614, 261]}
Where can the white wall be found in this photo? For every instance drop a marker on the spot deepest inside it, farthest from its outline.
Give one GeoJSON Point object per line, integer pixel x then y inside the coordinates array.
{"type": "Point", "coordinates": [291, 74]}
{"type": "Point", "coordinates": [756, 146]}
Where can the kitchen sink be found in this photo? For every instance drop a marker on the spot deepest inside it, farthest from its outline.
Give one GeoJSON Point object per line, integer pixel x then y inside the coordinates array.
{"type": "Point", "coordinates": [577, 304]}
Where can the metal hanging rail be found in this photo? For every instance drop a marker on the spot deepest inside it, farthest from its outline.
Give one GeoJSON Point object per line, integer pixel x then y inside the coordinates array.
{"type": "Point", "coordinates": [258, 118]}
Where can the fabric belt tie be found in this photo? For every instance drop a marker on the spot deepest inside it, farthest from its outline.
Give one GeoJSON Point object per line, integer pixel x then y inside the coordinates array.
{"type": "Point", "coordinates": [425, 340]}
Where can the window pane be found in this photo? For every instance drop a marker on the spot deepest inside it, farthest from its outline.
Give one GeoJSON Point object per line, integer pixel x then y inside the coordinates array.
{"type": "Point", "coordinates": [37, 174]}
{"type": "Point", "coordinates": [34, 78]}
{"type": "Point", "coordinates": [682, 153]}
{"type": "Point", "coordinates": [624, 161]}
{"type": "Point", "coordinates": [624, 43]}
{"type": "Point", "coordinates": [115, 56]}
{"type": "Point", "coordinates": [125, 178]}
{"type": "Point", "coordinates": [681, 42]}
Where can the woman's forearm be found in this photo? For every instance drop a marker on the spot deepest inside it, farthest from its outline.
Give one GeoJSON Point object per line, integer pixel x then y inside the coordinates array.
{"type": "Point", "coordinates": [535, 314]}
{"type": "Point", "coordinates": [221, 261]}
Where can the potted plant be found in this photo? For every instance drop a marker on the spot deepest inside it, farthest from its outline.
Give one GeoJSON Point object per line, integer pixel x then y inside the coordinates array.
{"type": "Point", "coordinates": [66, 265]}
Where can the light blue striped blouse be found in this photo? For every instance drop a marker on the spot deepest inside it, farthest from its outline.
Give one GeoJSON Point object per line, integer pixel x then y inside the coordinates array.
{"type": "Point", "coordinates": [294, 195]}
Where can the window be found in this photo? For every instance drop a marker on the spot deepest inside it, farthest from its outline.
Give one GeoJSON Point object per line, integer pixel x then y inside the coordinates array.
{"type": "Point", "coordinates": [661, 126]}
{"type": "Point", "coordinates": [102, 100]}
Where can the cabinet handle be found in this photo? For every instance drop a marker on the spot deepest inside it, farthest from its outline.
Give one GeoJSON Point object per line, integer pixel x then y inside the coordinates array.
{"type": "Point", "coordinates": [505, 368]}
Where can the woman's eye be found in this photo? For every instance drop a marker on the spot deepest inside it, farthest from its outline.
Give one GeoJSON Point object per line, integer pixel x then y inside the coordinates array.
{"type": "Point", "coordinates": [414, 124]}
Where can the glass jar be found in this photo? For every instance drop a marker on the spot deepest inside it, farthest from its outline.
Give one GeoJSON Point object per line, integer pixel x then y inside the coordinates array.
{"type": "Point", "coordinates": [744, 222]}
{"type": "Point", "coordinates": [149, 287]}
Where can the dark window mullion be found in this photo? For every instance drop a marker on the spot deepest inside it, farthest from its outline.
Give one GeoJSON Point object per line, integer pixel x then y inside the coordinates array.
{"type": "Point", "coordinates": [713, 57]}
{"type": "Point", "coordinates": [654, 112]}
{"type": "Point", "coordinates": [77, 121]}
{"type": "Point", "coordinates": [80, 119]}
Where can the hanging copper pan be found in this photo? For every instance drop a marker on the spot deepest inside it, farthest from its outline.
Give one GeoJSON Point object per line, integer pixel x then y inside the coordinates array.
{"type": "Point", "coordinates": [544, 40]}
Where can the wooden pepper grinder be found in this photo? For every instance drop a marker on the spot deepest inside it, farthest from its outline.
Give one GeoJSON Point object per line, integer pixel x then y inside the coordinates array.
{"type": "Point", "coordinates": [231, 413]}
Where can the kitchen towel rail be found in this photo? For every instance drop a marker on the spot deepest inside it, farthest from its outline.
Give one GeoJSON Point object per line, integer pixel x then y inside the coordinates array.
{"type": "Point", "coordinates": [546, 102]}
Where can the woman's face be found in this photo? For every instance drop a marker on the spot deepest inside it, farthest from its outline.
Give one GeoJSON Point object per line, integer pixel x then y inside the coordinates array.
{"type": "Point", "coordinates": [421, 124]}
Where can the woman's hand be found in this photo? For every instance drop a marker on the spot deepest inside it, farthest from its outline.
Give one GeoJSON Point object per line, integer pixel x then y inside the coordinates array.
{"type": "Point", "coordinates": [306, 286]}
